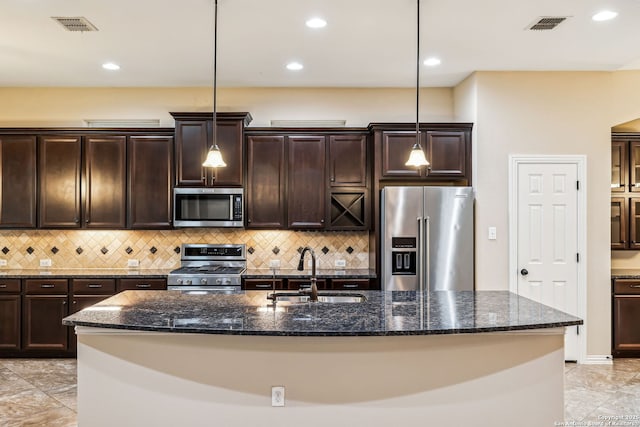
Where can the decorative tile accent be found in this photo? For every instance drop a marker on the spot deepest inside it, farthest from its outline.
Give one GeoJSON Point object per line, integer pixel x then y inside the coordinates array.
{"type": "Point", "coordinates": [176, 249]}
{"type": "Point", "coordinates": [104, 250]}
{"type": "Point", "coordinates": [54, 250]}
{"type": "Point", "coordinates": [5, 250]}
{"type": "Point", "coordinates": [79, 250]}
{"type": "Point", "coordinates": [251, 250]}
{"type": "Point", "coordinates": [128, 250]}
{"type": "Point", "coordinates": [153, 249]}
{"type": "Point", "coordinates": [30, 250]}
{"type": "Point", "coordinates": [350, 250]}
{"type": "Point", "coordinates": [325, 250]}
{"type": "Point", "coordinates": [275, 250]}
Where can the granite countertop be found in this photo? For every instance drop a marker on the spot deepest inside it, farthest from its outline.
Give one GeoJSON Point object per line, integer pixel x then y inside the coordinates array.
{"type": "Point", "coordinates": [84, 273]}
{"type": "Point", "coordinates": [267, 273]}
{"type": "Point", "coordinates": [382, 314]}
{"type": "Point", "coordinates": [620, 273]}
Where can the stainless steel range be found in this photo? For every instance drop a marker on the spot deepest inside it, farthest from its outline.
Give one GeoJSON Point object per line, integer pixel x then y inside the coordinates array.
{"type": "Point", "coordinates": [207, 268]}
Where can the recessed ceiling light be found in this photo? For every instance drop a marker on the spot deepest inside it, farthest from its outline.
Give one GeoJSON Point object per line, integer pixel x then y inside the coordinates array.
{"type": "Point", "coordinates": [432, 62]}
{"type": "Point", "coordinates": [110, 66]}
{"type": "Point", "coordinates": [605, 15]}
{"type": "Point", "coordinates": [316, 23]}
{"type": "Point", "coordinates": [294, 66]}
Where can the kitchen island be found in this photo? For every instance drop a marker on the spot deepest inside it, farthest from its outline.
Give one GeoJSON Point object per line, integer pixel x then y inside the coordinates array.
{"type": "Point", "coordinates": [398, 358]}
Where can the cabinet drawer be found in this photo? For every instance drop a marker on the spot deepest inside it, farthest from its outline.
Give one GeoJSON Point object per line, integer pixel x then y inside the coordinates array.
{"type": "Point", "coordinates": [93, 286]}
{"type": "Point", "coordinates": [350, 284]}
{"type": "Point", "coordinates": [141, 284]}
{"type": "Point", "coordinates": [627, 287]}
{"type": "Point", "coordinates": [51, 286]}
{"type": "Point", "coordinates": [261, 284]}
{"type": "Point", "coordinates": [9, 286]}
{"type": "Point", "coordinates": [297, 284]}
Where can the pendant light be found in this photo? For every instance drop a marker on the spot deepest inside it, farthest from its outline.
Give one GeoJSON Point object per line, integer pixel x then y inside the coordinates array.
{"type": "Point", "coordinates": [214, 156]}
{"type": "Point", "coordinates": [417, 157]}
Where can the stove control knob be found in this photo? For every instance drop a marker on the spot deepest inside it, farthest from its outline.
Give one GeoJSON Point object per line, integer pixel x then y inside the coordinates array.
{"type": "Point", "coordinates": [187, 282]}
{"type": "Point", "coordinates": [227, 281]}
{"type": "Point", "coordinates": [203, 281]}
{"type": "Point", "coordinates": [179, 281]}
{"type": "Point", "coordinates": [218, 281]}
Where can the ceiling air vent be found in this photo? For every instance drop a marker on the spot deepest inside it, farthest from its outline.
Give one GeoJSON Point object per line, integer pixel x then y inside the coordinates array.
{"type": "Point", "coordinates": [546, 23]}
{"type": "Point", "coordinates": [75, 23]}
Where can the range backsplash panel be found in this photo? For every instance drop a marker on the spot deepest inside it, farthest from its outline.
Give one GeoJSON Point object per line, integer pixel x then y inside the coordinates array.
{"type": "Point", "coordinates": [157, 249]}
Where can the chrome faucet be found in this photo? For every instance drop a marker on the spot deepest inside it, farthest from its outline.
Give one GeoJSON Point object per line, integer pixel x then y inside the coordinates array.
{"type": "Point", "coordinates": [314, 285]}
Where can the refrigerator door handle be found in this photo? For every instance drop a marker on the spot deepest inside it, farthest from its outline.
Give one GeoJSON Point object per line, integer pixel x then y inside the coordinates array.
{"type": "Point", "coordinates": [427, 251]}
{"type": "Point", "coordinates": [420, 254]}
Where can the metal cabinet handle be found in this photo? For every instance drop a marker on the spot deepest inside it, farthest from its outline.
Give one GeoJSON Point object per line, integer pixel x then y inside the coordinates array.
{"type": "Point", "coordinates": [75, 302]}
{"type": "Point", "coordinates": [47, 286]}
{"type": "Point", "coordinates": [94, 285]}
{"type": "Point", "coordinates": [350, 285]}
{"type": "Point", "coordinates": [524, 272]}
{"type": "Point", "coordinates": [64, 302]}
{"type": "Point", "coordinates": [143, 285]}
{"type": "Point", "coordinates": [263, 285]}
{"type": "Point", "coordinates": [3, 286]}
{"type": "Point", "coordinates": [634, 286]}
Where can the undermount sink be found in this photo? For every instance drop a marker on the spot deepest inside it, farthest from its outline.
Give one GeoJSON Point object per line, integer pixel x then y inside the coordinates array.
{"type": "Point", "coordinates": [325, 297]}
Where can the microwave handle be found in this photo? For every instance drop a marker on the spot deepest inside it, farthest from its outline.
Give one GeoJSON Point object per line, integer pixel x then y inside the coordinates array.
{"type": "Point", "coordinates": [231, 205]}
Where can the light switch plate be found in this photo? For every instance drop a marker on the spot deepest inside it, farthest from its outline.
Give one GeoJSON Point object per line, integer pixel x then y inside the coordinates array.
{"type": "Point", "coordinates": [340, 263]}
{"type": "Point", "coordinates": [133, 263]}
{"type": "Point", "coordinates": [493, 233]}
{"type": "Point", "coordinates": [277, 396]}
{"type": "Point", "coordinates": [274, 263]}
{"type": "Point", "coordinates": [3, 262]}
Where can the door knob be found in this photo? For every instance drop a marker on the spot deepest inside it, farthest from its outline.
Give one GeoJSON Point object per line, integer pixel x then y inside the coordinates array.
{"type": "Point", "coordinates": [524, 272]}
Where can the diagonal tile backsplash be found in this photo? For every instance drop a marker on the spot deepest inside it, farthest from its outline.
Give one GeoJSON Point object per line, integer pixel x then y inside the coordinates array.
{"type": "Point", "coordinates": [108, 248]}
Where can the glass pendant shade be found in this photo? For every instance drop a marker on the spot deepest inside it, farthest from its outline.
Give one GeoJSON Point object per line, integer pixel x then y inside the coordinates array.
{"type": "Point", "coordinates": [214, 158]}
{"type": "Point", "coordinates": [417, 157]}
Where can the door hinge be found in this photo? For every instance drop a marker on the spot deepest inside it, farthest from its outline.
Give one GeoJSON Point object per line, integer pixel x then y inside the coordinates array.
{"type": "Point", "coordinates": [577, 185]}
{"type": "Point", "coordinates": [578, 329]}
{"type": "Point", "coordinates": [577, 257]}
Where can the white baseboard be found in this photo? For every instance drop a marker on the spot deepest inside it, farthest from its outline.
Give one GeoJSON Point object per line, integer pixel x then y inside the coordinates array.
{"type": "Point", "coordinates": [598, 359]}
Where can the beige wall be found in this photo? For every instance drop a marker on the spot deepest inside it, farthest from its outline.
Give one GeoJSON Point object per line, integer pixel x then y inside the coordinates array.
{"type": "Point", "coordinates": [359, 107]}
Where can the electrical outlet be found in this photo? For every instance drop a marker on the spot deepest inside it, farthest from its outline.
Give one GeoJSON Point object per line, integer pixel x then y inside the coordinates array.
{"type": "Point", "coordinates": [340, 263]}
{"type": "Point", "coordinates": [274, 263]}
{"type": "Point", "coordinates": [277, 396]}
{"type": "Point", "coordinates": [45, 262]}
{"type": "Point", "coordinates": [3, 262]}
{"type": "Point", "coordinates": [133, 263]}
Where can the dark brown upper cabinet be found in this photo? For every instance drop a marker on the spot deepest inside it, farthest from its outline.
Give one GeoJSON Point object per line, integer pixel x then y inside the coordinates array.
{"type": "Point", "coordinates": [619, 165]}
{"type": "Point", "coordinates": [347, 160]}
{"type": "Point", "coordinates": [150, 164]}
{"type": "Point", "coordinates": [625, 186]}
{"type": "Point", "coordinates": [60, 171]}
{"type": "Point", "coordinates": [447, 147]}
{"type": "Point", "coordinates": [194, 135]}
{"type": "Point", "coordinates": [18, 181]}
{"type": "Point", "coordinates": [105, 181]}
{"type": "Point", "coordinates": [266, 182]}
{"type": "Point", "coordinates": [306, 182]}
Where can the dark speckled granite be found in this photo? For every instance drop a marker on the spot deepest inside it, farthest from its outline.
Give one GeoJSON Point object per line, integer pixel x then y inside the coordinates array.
{"type": "Point", "coordinates": [353, 273]}
{"type": "Point", "coordinates": [383, 313]}
{"type": "Point", "coordinates": [83, 273]}
{"type": "Point", "coordinates": [625, 274]}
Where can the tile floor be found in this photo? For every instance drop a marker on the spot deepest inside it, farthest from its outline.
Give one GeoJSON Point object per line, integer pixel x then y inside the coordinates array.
{"type": "Point", "coordinates": [42, 392]}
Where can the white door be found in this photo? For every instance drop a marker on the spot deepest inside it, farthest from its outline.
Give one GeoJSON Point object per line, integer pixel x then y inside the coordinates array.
{"type": "Point", "coordinates": [547, 242]}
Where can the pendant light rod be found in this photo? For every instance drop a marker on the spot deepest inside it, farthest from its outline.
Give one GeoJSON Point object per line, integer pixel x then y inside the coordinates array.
{"type": "Point", "coordinates": [215, 73]}
{"type": "Point", "coordinates": [417, 73]}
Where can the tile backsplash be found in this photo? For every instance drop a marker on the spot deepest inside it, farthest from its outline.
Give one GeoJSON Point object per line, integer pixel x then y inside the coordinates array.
{"type": "Point", "coordinates": [157, 248]}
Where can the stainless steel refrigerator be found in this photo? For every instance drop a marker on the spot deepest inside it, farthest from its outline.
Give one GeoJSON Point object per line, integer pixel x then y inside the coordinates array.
{"type": "Point", "coordinates": [427, 238]}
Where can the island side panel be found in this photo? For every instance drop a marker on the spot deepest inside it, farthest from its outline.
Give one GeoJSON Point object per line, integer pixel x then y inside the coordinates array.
{"type": "Point", "coordinates": [202, 380]}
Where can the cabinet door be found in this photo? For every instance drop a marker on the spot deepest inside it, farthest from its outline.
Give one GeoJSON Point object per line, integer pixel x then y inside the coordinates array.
{"type": "Point", "coordinates": [141, 284]}
{"type": "Point", "coordinates": [626, 318]}
{"type": "Point", "coordinates": [266, 179]}
{"type": "Point", "coordinates": [634, 165]}
{"type": "Point", "coordinates": [347, 160]}
{"type": "Point", "coordinates": [350, 284]}
{"type": "Point", "coordinates": [302, 284]}
{"type": "Point", "coordinates": [634, 223]}
{"type": "Point", "coordinates": [230, 142]}
{"type": "Point", "coordinates": [396, 146]}
{"type": "Point", "coordinates": [619, 223]}
{"type": "Point", "coordinates": [18, 181]}
{"type": "Point", "coordinates": [77, 303]}
{"type": "Point", "coordinates": [9, 322]}
{"type": "Point", "coordinates": [150, 179]}
{"type": "Point", "coordinates": [619, 164]}
{"type": "Point", "coordinates": [446, 152]}
{"type": "Point", "coordinates": [306, 182]}
{"type": "Point", "coordinates": [349, 209]}
{"type": "Point", "coordinates": [192, 139]}
{"type": "Point", "coordinates": [42, 327]}
{"type": "Point", "coordinates": [105, 190]}
{"type": "Point", "coordinates": [262, 284]}
{"type": "Point", "coordinates": [59, 172]}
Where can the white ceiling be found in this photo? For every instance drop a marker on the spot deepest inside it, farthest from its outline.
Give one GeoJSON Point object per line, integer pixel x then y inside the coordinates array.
{"type": "Point", "coordinates": [367, 43]}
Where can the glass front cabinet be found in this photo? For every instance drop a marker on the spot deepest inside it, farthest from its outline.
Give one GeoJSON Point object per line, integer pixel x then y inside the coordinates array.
{"type": "Point", "coordinates": [625, 191]}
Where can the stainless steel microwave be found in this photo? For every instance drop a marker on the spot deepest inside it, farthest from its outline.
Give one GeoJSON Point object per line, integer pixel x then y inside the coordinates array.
{"type": "Point", "coordinates": [208, 207]}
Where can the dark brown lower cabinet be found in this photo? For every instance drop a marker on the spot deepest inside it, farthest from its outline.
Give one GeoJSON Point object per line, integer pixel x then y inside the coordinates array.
{"type": "Point", "coordinates": [626, 318]}
{"type": "Point", "coordinates": [141, 284]}
{"type": "Point", "coordinates": [299, 284]}
{"type": "Point", "coordinates": [44, 305]}
{"type": "Point", "coordinates": [10, 314]}
{"type": "Point", "coordinates": [350, 284]}
{"type": "Point", "coordinates": [85, 293]}
{"type": "Point", "coordinates": [262, 284]}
